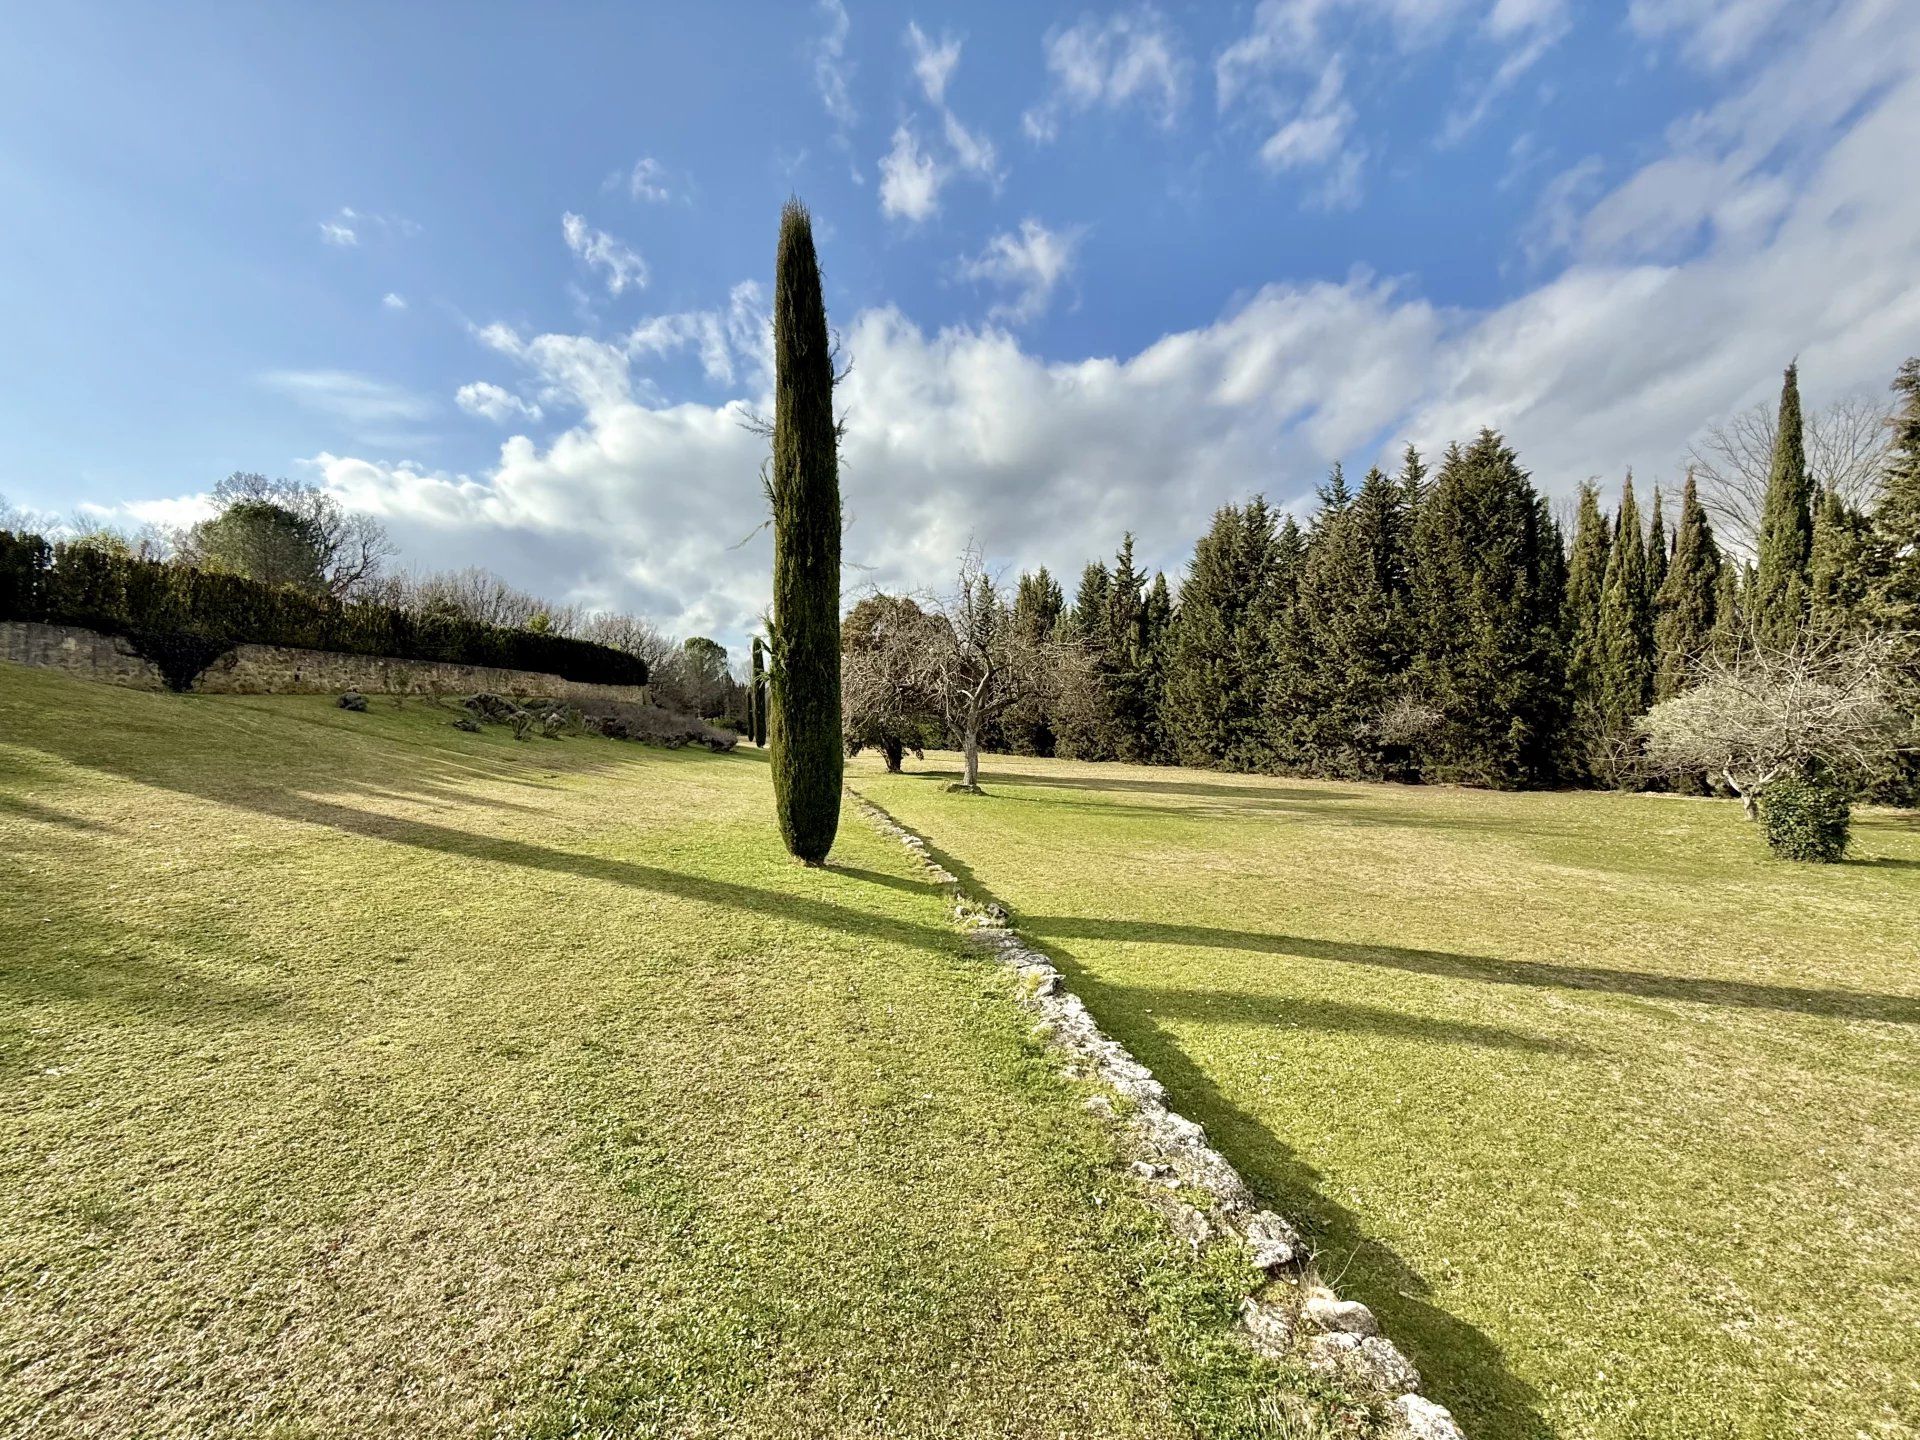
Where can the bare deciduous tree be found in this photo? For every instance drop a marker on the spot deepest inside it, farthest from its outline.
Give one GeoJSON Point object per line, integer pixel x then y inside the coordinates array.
{"type": "Point", "coordinates": [349, 547]}
{"type": "Point", "coordinates": [1840, 701]}
{"type": "Point", "coordinates": [979, 662]}
{"type": "Point", "coordinates": [885, 700]}
{"type": "Point", "coordinates": [1846, 450]}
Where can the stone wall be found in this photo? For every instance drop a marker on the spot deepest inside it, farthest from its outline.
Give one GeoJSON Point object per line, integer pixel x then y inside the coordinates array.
{"type": "Point", "coordinates": [278, 670]}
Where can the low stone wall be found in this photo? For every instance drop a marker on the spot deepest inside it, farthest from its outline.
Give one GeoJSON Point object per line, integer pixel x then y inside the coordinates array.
{"type": "Point", "coordinates": [279, 670]}
{"type": "Point", "coordinates": [1295, 1314]}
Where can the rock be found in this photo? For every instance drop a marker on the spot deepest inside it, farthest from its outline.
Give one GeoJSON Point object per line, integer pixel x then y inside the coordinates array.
{"type": "Point", "coordinates": [467, 723]}
{"type": "Point", "coordinates": [1334, 1315]}
{"type": "Point", "coordinates": [1368, 1361]}
{"type": "Point", "coordinates": [352, 700]}
{"type": "Point", "coordinates": [1275, 1244]}
{"type": "Point", "coordinates": [1270, 1326]}
{"type": "Point", "coordinates": [1188, 1223]}
{"type": "Point", "coordinates": [1418, 1418]}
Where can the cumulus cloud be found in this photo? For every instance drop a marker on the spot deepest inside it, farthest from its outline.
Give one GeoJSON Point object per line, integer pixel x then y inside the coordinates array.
{"type": "Point", "coordinates": [910, 179]}
{"type": "Point", "coordinates": [623, 267]}
{"type": "Point", "coordinates": [641, 501]}
{"type": "Point", "coordinates": [1131, 58]}
{"type": "Point", "coordinates": [1027, 266]}
{"type": "Point", "coordinates": [492, 402]}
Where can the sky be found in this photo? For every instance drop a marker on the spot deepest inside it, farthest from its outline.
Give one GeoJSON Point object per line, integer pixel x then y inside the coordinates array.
{"type": "Point", "coordinates": [498, 273]}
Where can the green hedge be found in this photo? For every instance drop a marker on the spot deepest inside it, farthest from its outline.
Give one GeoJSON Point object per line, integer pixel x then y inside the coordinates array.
{"type": "Point", "coordinates": [150, 601]}
{"type": "Point", "coordinates": [1806, 819]}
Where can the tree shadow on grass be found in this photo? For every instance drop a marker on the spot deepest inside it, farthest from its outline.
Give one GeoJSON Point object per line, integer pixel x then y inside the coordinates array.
{"type": "Point", "coordinates": [1461, 1366]}
{"type": "Point", "coordinates": [1805, 1000]}
{"type": "Point", "coordinates": [1255, 791]}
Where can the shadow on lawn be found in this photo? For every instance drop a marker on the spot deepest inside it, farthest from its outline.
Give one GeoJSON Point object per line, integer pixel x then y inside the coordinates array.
{"type": "Point", "coordinates": [1805, 1000]}
{"type": "Point", "coordinates": [1462, 1367]}
{"type": "Point", "coordinates": [1207, 789]}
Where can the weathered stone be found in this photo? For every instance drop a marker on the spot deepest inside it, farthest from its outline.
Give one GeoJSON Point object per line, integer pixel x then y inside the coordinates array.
{"type": "Point", "coordinates": [1275, 1244]}
{"type": "Point", "coordinates": [352, 700]}
{"type": "Point", "coordinates": [1417, 1418]}
{"type": "Point", "coordinates": [467, 723]}
{"type": "Point", "coordinates": [1368, 1361]}
{"type": "Point", "coordinates": [1188, 1223]}
{"type": "Point", "coordinates": [1330, 1313]}
{"type": "Point", "coordinates": [1269, 1325]}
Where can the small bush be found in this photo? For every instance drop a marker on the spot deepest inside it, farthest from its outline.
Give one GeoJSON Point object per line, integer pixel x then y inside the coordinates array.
{"type": "Point", "coordinates": [1806, 820]}
{"type": "Point", "coordinates": [352, 700]}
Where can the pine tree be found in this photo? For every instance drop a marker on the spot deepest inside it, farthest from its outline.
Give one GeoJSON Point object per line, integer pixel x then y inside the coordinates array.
{"type": "Point", "coordinates": [1896, 517]}
{"type": "Point", "coordinates": [1685, 608]}
{"type": "Point", "coordinates": [1129, 719]}
{"type": "Point", "coordinates": [1217, 646]}
{"type": "Point", "coordinates": [1038, 606]}
{"type": "Point", "coordinates": [1083, 728]}
{"type": "Point", "coordinates": [1580, 625]}
{"type": "Point", "coordinates": [803, 721]}
{"type": "Point", "coordinates": [1778, 603]}
{"type": "Point", "coordinates": [1487, 582]}
{"type": "Point", "coordinates": [1624, 679]}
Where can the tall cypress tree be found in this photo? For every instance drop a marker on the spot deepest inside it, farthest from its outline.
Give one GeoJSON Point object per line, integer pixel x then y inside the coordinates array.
{"type": "Point", "coordinates": [1658, 554]}
{"type": "Point", "coordinates": [1840, 570]}
{"type": "Point", "coordinates": [803, 720]}
{"type": "Point", "coordinates": [757, 695]}
{"type": "Point", "coordinates": [1896, 517]}
{"type": "Point", "coordinates": [1487, 585]}
{"type": "Point", "coordinates": [1688, 599]}
{"type": "Point", "coordinates": [1580, 624]}
{"type": "Point", "coordinates": [1778, 603]}
{"type": "Point", "coordinates": [1625, 669]}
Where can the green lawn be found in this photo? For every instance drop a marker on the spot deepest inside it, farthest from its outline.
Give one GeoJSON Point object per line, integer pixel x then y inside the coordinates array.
{"type": "Point", "coordinates": [362, 1077]}
{"type": "Point", "coordinates": [1614, 1120]}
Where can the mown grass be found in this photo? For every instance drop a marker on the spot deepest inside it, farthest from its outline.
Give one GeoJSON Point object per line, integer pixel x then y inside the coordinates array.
{"type": "Point", "coordinates": [1613, 1119]}
{"type": "Point", "coordinates": [362, 1077]}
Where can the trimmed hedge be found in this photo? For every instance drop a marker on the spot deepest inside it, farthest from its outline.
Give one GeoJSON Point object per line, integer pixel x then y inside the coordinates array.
{"type": "Point", "coordinates": [186, 614]}
{"type": "Point", "coordinates": [1806, 819]}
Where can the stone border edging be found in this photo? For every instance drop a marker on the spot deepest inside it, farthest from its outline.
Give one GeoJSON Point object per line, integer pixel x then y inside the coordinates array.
{"type": "Point", "coordinates": [1294, 1313]}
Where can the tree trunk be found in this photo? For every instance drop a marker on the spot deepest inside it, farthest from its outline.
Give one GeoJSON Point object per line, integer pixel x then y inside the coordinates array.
{"type": "Point", "coordinates": [892, 749]}
{"type": "Point", "coordinates": [1749, 803]}
{"type": "Point", "coordinates": [970, 751]}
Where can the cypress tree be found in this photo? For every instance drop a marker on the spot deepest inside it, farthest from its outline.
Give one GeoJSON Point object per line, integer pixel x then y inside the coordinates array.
{"type": "Point", "coordinates": [1731, 624]}
{"type": "Point", "coordinates": [1686, 605]}
{"type": "Point", "coordinates": [757, 694]}
{"type": "Point", "coordinates": [1778, 603]}
{"type": "Point", "coordinates": [1038, 605]}
{"type": "Point", "coordinates": [1896, 517]}
{"type": "Point", "coordinates": [1658, 555]}
{"type": "Point", "coordinates": [1624, 686]}
{"type": "Point", "coordinates": [1840, 569]}
{"type": "Point", "coordinates": [803, 720]}
{"type": "Point", "coordinates": [1580, 624]}
{"type": "Point", "coordinates": [1487, 585]}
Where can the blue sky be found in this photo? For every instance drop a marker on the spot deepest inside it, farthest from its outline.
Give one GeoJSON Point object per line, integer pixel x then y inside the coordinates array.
{"type": "Point", "coordinates": [498, 272]}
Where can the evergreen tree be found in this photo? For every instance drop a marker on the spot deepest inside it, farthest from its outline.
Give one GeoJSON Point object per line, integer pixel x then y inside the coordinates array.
{"type": "Point", "coordinates": [1486, 587]}
{"type": "Point", "coordinates": [1217, 648]}
{"type": "Point", "coordinates": [1083, 727]}
{"type": "Point", "coordinates": [803, 720]}
{"type": "Point", "coordinates": [1580, 624]}
{"type": "Point", "coordinates": [1413, 482]}
{"type": "Point", "coordinates": [1840, 571]}
{"type": "Point", "coordinates": [757, 694]}
{"type": "Point", "coordinates": [1688, 598]}
{"type": "Point", "coordinates": [1624, 679]}
{"type": "Point", "coordinates": [1731, 624]}
{"type": "Point", "coordinates": [1896, 517]}
{"type": "Point", "coordinates": [1778, 603]}
{"type": "Point", "coordinates": [1129, 719]}
{"type": "Point", "coordinates": [1038, 607]}
{"type": "Point", "coordinates": [1658, 553]}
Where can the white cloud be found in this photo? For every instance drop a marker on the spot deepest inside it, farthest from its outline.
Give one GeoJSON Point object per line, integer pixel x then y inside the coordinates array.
{"type": "Point", "coordinates": [961, 433]}
{"type": "Point", "coordinates": [1124, 59]}
{"type": "Point", "coordinates": [910, 180]}
{"type": "Point", "coordinates": [1714, 33]}
{"type": "Point", "coordinates": [348, 225]}
{"type": "Point", "coordinates": [832, 71]}
{"type": "Point", "coordinates": [933, 64]}
{"type": "Point", "coordinates": [648, 181]}
{"type": "Point", "coordinates": [1030, 265]}
{"type": "Point", "coordinates": [623, 266]}
{"type": "Point", "coordinates": [491, 402]}
{"type": "Point", "coordinates": [393, 301]}
{"type": "Point", "coordinates": [373, 408]}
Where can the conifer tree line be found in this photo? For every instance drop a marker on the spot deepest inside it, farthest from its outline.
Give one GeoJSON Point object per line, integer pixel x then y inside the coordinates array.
{"type": "Point", "coordinates": [1440, 623]}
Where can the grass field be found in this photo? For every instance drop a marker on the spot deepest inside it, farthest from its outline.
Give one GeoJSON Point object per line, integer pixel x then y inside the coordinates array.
{"type": "Point", "coordinates": [362, 1077]}
{"type": "Point", "coordinates": [1614, 1120]}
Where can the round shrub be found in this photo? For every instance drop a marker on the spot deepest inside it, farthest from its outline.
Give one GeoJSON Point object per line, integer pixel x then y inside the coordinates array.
{"type": "Point", "coordinates": [1806, 819]}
